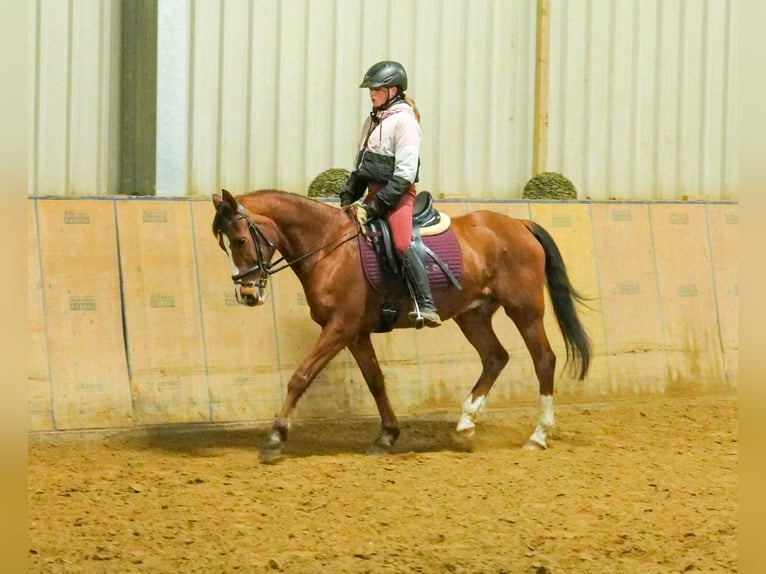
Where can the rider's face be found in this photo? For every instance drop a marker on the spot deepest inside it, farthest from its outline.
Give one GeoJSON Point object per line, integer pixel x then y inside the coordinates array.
{"type": "Point", "coordinates": [380, 96]}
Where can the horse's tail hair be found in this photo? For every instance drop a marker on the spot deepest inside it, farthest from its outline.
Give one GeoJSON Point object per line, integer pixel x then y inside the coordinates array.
{"type": "Point", "coordinates": [563, 296]}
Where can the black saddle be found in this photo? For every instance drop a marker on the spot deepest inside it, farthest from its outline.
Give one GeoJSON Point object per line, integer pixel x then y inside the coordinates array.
{"type": "Point", "coordinates": [423, 215]}
{"type": "Point", "coordinates": [423, 212]}
{"type": "Point", "coordinates": [378, 233]}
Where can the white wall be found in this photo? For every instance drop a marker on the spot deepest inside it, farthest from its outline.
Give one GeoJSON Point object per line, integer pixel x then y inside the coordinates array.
{"type": "Point", "coordinates": [264, 93]}
{"type": "Point", "coordinates": [74, 50]}
{"type": "Point", "coordinates": [274, 96]}
{"type": "Point", "coordinates": [642, 97]}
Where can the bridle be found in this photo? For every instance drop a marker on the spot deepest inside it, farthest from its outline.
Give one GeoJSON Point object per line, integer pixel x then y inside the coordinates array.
{"type": "Point", "coordinates": [262, 264]}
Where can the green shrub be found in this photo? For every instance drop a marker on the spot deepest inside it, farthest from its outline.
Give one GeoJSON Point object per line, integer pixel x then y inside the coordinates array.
{"type": "Point", "coordinates": [549, 185]}
{"type": "Point", "coordinates": [328, 183]}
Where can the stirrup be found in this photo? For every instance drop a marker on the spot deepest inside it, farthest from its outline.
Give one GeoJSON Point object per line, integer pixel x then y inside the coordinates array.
{"type": "Point", "coordinates": [417, 317]}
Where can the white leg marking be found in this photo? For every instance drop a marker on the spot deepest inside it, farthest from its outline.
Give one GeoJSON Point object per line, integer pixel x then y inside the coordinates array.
{"type": "Point", "coordinates": [470, 410]}
{"type": "Point", "coordinates": [545, 423]}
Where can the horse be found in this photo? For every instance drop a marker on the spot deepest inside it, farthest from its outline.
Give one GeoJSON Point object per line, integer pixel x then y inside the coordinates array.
{"type": "Point", "coordinates": [506, 262]}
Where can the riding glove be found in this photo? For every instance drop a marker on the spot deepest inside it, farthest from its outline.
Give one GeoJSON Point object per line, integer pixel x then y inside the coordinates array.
{"type": "Point", "coordinates": [374, 209]}
{"type": "Point", "coordinates": [393, 191]}
{"type": "Point", "coordinates": [353, 189]}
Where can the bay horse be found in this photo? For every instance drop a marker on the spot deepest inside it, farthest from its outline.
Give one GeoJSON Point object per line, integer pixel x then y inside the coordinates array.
{"type": "Point", "coordinates": [506, 262]}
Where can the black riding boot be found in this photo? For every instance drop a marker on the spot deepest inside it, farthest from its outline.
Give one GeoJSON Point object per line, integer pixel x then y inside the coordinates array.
{"type": "Point", "coordinates": [417, 276]}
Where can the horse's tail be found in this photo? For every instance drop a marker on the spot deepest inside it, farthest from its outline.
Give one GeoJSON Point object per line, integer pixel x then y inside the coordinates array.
{"type": "Point", "coordinates": [563, 296]}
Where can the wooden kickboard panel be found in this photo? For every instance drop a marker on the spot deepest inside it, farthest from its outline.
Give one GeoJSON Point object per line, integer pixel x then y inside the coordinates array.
{"type": "Point", "coordinates": [216, 360]}
{"type": "Point", "coordinates": [162, 312]}
{"type": "Point", "coordinates": [687, 298]}
{"type": "Point", "coordinates": [39, 412]}
{"type": "Point", "coordinates": [81, 294]}
{"type": "Point", "coordinates": [723, 229]}
{"type": "Point", "coordinates": [632, 314]}
{"type": "Point", "coordinates": [240, 342]}
{"type": "Point", "coordinates": [570, 226]}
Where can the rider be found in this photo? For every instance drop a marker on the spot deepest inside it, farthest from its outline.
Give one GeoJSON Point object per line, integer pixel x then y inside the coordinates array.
{"type": "Point", "coordinates": [387, 165]}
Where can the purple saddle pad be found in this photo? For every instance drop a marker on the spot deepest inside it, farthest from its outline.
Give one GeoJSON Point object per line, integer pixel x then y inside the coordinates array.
{"type": "Point", "coordinates": [445, 245]}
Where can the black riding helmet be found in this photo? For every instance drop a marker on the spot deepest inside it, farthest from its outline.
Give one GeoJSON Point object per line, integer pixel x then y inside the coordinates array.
{"type": "Point", "coordinates": [385, 74]}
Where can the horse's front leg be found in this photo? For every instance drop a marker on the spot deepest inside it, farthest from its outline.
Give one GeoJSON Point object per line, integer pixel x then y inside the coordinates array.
{"type": "Point", "coordinates": [331, 341]}
{"type": "Point", "coordinates": [364, 354]}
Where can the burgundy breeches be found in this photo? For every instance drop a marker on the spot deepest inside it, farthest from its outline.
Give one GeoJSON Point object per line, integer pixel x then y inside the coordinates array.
{"type": "Point", "coordinates": [399, 218]}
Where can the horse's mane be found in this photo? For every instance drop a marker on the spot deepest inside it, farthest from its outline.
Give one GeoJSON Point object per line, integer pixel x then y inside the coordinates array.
{"type": "Point", "coordinates": [278, 195]}
{"type": "Point", "coordinates": [267, 201]}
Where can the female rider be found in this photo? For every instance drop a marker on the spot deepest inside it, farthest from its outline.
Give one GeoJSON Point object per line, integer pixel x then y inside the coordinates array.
{"type": "Point", "coordinates": [387, 165]}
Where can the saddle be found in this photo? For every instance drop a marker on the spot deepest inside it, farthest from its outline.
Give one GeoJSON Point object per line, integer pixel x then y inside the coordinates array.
{"type": "Point", "coordinates": [432, 240]}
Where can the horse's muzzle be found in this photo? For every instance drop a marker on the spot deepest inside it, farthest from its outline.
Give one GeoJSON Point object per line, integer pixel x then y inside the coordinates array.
{"type": "Point", "coordinates": [252, 296]}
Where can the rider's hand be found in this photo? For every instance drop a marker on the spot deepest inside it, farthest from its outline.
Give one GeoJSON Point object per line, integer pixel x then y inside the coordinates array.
{"type": "Point", "coordinates": [345, 200]}
{"type": "Point", "coordinates": [373, 211]}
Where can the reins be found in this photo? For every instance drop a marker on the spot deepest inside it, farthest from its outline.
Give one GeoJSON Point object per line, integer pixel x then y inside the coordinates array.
{"type": "Point", "coordinates": [309, 254]}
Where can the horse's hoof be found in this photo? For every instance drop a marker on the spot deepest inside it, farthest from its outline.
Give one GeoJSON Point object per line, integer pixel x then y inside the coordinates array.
{"type": "Point", "coordinates": [377, 450]}
{"type": "Point", "coordinates": [463, 440]}
{"type": "Point", "coordinates": [270, 455]}
{"type": "Point", "coordinates": [534, 445]}
{"type": "Point", "coordinates": [274, 441]}
{"type": "Point", "coordinates": [382, 445]}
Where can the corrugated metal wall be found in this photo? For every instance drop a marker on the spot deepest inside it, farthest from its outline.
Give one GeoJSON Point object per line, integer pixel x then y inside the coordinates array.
{"type": "Point", "coordinates": [263, 93]}
{"type": "Point", "coordinates": [274, 98]}
{"type": "Point", "coordinates": [74, 58]}
{"type": "Point", "coordinates": [642, 97]}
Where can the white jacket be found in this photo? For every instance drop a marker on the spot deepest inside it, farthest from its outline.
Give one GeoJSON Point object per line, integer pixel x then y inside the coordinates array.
{"type": "Point", "coordinates": [392, 148]}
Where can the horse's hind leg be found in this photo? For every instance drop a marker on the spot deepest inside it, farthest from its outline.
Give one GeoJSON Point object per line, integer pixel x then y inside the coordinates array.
{"type": "Point", "coordinates": [476, 325]}
{"type": "Point", "coordinates": [533, 332]}
{"type": "Point", "coordinates": [364, 354]}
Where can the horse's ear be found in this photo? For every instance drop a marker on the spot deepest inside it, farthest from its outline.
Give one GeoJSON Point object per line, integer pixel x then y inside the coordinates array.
{"type": "Point", "coordinates": [217, 200]}
{"type": "Point", "coordinates": [229, 198]}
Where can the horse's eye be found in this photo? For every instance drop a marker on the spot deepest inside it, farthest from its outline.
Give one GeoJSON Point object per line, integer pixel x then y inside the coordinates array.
{"type": "Point", "coordinates": [241, 241]}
